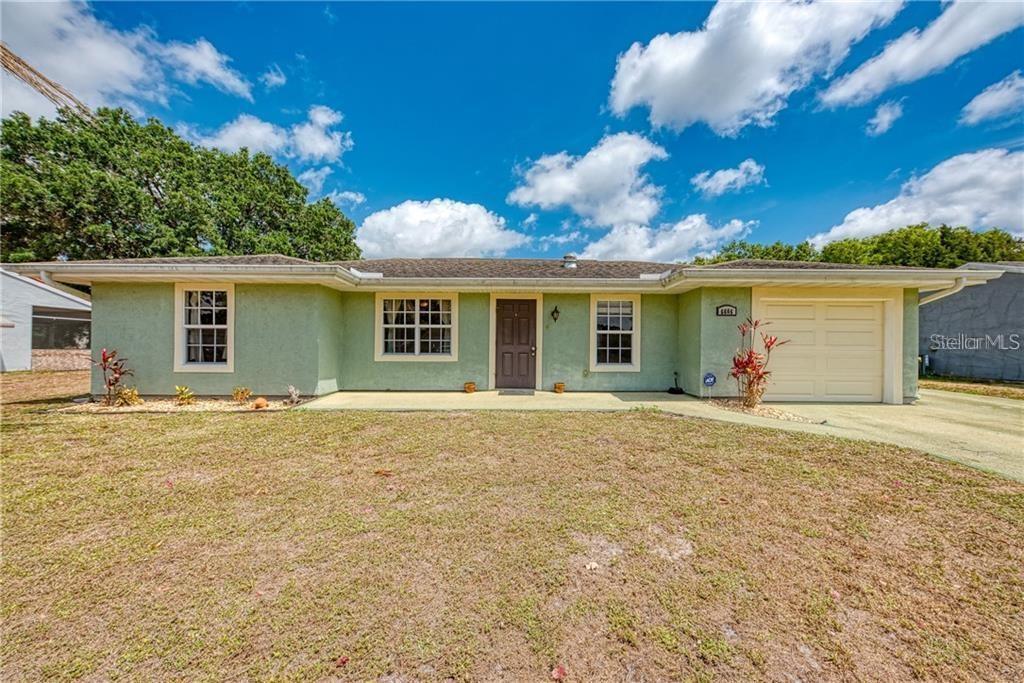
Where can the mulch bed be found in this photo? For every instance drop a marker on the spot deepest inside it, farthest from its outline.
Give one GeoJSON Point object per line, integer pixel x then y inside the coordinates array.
{"type": "Point", "coordinates": [762, 411]}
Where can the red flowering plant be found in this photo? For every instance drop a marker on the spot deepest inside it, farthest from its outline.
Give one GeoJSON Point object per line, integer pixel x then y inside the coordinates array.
{"type": "Point", "coordinates": [114, 370]}
{"type": "Point", "coordinates": [750, 366]}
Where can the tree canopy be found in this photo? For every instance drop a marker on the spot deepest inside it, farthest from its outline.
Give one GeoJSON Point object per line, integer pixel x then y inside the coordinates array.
{"type": "Point", "coordinates": [918, 245]}
{"type": "Point", "coordinates": [113, 187]}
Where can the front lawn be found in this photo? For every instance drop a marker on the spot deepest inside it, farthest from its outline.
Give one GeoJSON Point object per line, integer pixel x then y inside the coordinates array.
{"type": "Point", "coordinates": [486, 546]}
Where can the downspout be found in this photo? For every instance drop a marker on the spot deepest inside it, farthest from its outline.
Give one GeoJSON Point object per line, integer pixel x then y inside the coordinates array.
{"type": "Point", "coordinates": [961, 282]}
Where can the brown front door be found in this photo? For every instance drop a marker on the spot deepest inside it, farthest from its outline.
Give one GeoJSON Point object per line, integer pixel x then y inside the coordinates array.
{"type": "Point", "coordinates": [516, 344]}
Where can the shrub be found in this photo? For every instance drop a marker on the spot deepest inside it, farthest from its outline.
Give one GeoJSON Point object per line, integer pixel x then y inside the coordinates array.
{"type": "Point", "coordinates": [114, 370]}
{"type": "Point", "coordinates": [183, 395]}
{"type": "Point", "coordinates": [128, 396]}
{"type": "Point", "coordinates": [241, 395]}
{"type": "Point", "coordinates": [750, 367]}
{"type": "Point", "coordinates": [294, 397]}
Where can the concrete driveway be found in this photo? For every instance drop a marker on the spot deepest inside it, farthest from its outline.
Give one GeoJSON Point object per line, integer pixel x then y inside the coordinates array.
{"type": "Point", "coordinates": [980, 431]}
{"type": "Point", "coordinates": [983, 432]}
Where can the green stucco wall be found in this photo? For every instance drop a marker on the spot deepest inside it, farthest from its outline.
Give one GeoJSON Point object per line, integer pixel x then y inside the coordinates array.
{"type": "Point", "coordinates": [910, 332]}
{"type": "Point", "coordinates": [719, 337]}
{"type": "Point", "coordinates": [689, 336]}
{"type": "Point", "coordinates": [360, 371]}
{"type": "Point", "coordinates": [273, 347]}
{"type": "Point", "coordinates": [321, 340]}
{"type": "Point", "coordinates": [566, 351]}
{"type": "Point", "coordinates": [330, 340]}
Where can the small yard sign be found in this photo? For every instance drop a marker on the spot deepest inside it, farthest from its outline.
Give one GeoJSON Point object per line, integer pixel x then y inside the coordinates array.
{"type": "Point", "coordinates": [725, 311]}
{"type": "Point", "coordinates": [710, 379]}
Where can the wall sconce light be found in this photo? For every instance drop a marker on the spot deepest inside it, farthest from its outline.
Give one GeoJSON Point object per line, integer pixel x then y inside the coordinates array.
{"type": "Point", "coordinates": [555, 314]}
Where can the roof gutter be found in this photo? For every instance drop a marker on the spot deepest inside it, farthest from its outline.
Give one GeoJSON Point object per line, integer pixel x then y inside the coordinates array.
{"type": "Point", "coordinates": [961, 282]}
{"type": "Point", "coordinates": [45, 277]}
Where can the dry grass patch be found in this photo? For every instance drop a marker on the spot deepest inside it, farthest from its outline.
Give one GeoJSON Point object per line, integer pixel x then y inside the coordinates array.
{"type": "Point", "coordinates": [978, 387]}
{"type": "Point", "coordinates": [423, 546]}
{"type": "Point", "coordinates": [30, 387]}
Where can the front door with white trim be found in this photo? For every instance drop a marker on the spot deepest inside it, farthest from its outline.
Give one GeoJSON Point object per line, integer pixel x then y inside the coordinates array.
{"type": "Point", "coordinates": [515, 351]}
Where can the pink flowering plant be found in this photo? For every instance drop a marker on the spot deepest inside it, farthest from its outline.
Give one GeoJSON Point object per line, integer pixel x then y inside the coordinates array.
{"type": "Point", "coordinates": [114, 370]}
{"type": "Point", "coordinates": [750, 366]}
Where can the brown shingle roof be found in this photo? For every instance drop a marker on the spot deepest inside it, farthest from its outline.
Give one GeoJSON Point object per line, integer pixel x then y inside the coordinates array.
{"type": "Point", "coordinates": [246, 260]}
{"type": "Point", "coordinates": [505, 268]}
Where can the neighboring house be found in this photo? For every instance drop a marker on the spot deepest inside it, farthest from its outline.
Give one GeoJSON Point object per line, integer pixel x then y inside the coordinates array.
{"type": "Point", "coordinates": [978, 332]}
{"type": "Point", "coordinates": [433, 324]}
{"type": "Point", "coordinates": [44, 326]}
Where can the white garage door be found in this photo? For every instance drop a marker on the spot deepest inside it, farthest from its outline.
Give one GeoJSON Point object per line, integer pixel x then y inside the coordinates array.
{"type": "Point", "coordinates": [834, 354]}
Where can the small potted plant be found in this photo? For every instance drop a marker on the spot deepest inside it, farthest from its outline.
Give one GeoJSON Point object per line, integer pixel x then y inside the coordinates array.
{"type": "Point", "coordinates": [469, 387]}
{"type": "Point", "coordinates": [559, 387]}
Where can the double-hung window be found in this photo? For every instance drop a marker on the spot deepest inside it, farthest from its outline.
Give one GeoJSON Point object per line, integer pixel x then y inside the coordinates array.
{"type": "Point", "coordinates": [615, 338]}
{"type": "Point", "coordinates": [416, 327]}
{"type": "Point", "coordinates": [204, 321]}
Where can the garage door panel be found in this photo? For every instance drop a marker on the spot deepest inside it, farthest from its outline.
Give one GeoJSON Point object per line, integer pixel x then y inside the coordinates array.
{"type": "Point", "coordinates": [848, 312]}
{"type": "Point", "coordinates": [861, 338]}
{"type": "Point", "coordinates": [854, 363]}
{"type": "Point", "coordinates": [797, 337]}
{"type": "Point", "coordinates": [789, 311]}
{"type": "Point", "coordinates": [865, 390]}
{"type": "Point", "coordinates": [795, 388]}
{"type": "Point", "coordinates": [794, 364]}
{"type": "Point", "coordinates": [834, 353]}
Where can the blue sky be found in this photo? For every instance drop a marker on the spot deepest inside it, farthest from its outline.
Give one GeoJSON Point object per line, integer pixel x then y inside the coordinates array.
{"type": "Point", "coordinates": [535, 129]}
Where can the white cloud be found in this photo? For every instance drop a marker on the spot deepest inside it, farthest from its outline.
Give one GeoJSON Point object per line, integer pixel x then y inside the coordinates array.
{"type": "Point", "coordinates": [979, 190]}
{"type": "Point", "coordinates": [349, 197]}
{"type": "Point", "coordinates": [742, 66]}
{"type": "Point", "coordinates": [692, 236]}
{"type": "Point", "coordinates": [886, 115]}
{"type": "Point", "coordinates": [102, 65]}
{"type": "Point", "coordinates": [749, 172]}
{"type": "Point", "coordinates": [245, 131]}
{"type": "Point", "coordinates": [530, 221]}
{"type": "Point", "coordinates": [604, 187]}
{"type": "Point", "coordinates": [1000, 99]}
{"type": "Point", "coordinates": [201, 62]}
{"type": "Point", "coordinates": [440, 227]}
{"type": "Point", "coordinates": [961, 28]}
{"type": "Point", "coordinates": [273, 77]}
{"type": "Point", "coordinates": [98, 64]}
{"type": "Point", "coordinates": [313, 179]}
{"type": "Point", "coordinates": [313, 140]}
{"type": "Point", "coordinates": [559, 239]}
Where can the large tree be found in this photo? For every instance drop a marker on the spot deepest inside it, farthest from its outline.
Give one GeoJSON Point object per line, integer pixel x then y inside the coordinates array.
{"type": "Point", "coordinates": [914, 245]}
{"type": "Point", "coordinates": [113, 187]}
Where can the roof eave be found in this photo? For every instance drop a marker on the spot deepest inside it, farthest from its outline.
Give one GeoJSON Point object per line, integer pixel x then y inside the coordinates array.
{"type": "Point", "coordinates": [338, 277]}
{"type": "Point", "coordinates": [689, 278]}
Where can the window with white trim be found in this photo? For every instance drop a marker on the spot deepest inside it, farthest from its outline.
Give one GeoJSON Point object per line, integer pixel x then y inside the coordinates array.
{"type": "Point", "coordinates": [205, 323]}
{"type": "Point", "coordinates": [417, 327]}
{"type": "Point", "coordinates": [614, 324]}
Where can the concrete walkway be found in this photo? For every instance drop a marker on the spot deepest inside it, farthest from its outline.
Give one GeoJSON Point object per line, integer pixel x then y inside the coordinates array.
{"type": "Point", "coordinates": [980, 431]}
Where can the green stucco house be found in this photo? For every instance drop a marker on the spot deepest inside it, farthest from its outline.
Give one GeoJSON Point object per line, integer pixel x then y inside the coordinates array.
{"type": "Point", "coordinates": [270, 321]}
